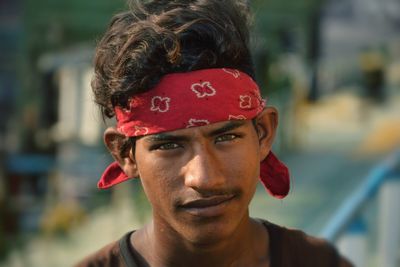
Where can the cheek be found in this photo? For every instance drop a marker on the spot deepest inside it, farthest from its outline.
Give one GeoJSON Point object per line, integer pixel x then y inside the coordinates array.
{"type": "Point", "coordinates": [244, 165]}
{"type": "Point", "coordinates": [159, 182]}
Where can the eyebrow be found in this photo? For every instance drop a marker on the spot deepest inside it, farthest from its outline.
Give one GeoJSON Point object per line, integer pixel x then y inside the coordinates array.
{"type": "Point", "coordinates": [169, 137]}
{"type": "Point", "coordinates": [166, 137]}
{"type": "Point", "coordinates": [227, 127]}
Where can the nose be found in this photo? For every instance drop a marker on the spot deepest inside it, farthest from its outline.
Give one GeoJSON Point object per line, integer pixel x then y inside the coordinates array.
{"type": "Point", "coordinates": [203, 172]}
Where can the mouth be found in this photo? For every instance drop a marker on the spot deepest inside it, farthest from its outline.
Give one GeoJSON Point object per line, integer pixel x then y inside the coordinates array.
{"type": "Point", "coordinates": [207, 207]}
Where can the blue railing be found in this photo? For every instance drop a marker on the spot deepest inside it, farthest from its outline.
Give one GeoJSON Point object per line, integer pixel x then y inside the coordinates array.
{"type": "Point", "coordinates": [347, 214]}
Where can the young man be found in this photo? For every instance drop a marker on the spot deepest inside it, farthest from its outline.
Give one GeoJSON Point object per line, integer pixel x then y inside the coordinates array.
{"type": "Point", "coordinates": [191, 124]}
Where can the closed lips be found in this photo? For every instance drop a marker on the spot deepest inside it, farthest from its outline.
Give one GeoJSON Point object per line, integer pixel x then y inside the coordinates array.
{"type": "Point", "coordinates": [206, 202]}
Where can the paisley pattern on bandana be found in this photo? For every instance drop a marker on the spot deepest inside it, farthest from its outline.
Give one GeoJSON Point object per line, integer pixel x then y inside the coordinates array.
{"type": "Point", "coordinates": [234, 73]}
{"type": "Point", "coordinates": [203, 89]}
{"type": "Point", "coordinates": [160, 104]}
{"type": "Point", "coordinates": [139, 131]}
{"type": "Point", "coordinates": [197, 123]}
{"type": "Point", "coordinates": [245, 101]}
{"type": "Point", "coordinates": [236, 117]}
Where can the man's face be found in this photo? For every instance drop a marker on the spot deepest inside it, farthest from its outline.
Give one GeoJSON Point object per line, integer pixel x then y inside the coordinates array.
{"type": "Point", "coordinates": [200, 180]}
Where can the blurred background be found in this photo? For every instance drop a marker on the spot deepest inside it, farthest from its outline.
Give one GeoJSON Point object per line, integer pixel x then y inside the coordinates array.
{"type": "Point", "coordinates": [331, 67]}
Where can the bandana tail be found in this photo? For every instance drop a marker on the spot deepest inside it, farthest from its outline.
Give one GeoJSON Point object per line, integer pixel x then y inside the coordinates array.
{"type": "Point", "coordinates": [111, 176]}
{"type": "Point", "coordinates": [275, 177]}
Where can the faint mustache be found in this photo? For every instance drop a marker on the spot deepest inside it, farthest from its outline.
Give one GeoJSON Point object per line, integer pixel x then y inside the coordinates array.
{"type": "Point", "coordinates": [207, 201]}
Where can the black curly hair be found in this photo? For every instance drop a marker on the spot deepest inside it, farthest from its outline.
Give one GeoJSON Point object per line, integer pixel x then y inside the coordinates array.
{"type": "Point", "coordinates": [158, 37]}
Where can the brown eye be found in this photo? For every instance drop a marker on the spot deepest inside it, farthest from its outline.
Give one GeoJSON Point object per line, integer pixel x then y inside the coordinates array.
{"type": "Point", "coordinates": [225, 138]}
{"type": "Point", "coordinates": [167, 146]}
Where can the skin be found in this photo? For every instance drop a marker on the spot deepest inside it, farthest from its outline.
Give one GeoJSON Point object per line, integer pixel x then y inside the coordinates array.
{"type": "Point", "coordinates": [200, 182]}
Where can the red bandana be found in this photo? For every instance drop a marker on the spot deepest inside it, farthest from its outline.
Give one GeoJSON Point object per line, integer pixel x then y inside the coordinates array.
{"type": "Point", "coordinates": [192, 99]}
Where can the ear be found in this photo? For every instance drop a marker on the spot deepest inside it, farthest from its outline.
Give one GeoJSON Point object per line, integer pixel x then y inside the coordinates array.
{"type": "Point", "coordinates": [266, 125]}
{"type": "Point", "coordinates": [116, 143]}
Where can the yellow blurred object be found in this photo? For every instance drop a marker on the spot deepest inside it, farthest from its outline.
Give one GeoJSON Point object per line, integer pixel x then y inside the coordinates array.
{"type": "Point", "coordinates": [371, 60]}
{"type": "Point", "coordinates": [384, 138]}
{"type": "Point", "coordinates": [62, 218]}
{"type": "Point", "coordinates": [336, 115]}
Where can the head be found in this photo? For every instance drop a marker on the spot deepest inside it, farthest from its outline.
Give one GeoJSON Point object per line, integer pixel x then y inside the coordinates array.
{"type": "Point", "coordinates": [184, 172]}
{"type": "Point", "coordinates": [161, 37]}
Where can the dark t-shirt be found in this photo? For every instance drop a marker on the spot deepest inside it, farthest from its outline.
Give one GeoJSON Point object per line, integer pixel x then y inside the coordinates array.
{"type": "Point", "coordinates": [288, 248]}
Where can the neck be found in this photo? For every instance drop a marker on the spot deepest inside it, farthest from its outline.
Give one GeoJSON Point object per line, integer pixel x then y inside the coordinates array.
{"type": "Point", "coordinates": [247, 246]}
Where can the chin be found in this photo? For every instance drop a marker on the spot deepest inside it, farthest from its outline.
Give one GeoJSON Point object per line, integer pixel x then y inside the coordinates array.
{"type": "Point", "coordinates": [207, 239]}
{"type": "Point", "coordinates": [211, 232]}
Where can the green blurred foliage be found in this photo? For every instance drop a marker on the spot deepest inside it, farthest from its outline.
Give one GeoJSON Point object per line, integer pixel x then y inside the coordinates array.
{"type": "Point", "coordinates": [281, 27]}
{"type": "Point", "coordinates": [54, 25]}
{"type": "Point", "coordinates": [59, 23]}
